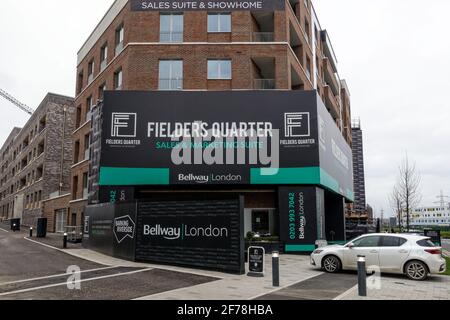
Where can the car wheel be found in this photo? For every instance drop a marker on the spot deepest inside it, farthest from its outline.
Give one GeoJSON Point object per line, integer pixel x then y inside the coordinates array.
{"type": "Point", "coordinates": [331, 264]}
{"type": "Point", "coordinates": [416, 270]}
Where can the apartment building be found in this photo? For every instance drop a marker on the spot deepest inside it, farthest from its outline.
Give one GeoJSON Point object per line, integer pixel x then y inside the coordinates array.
{"type": "Point", "coordinates": [359, 206]}
{"type": "Point", "coordinates": [135, 47]}
{"type": "Point", "coordinates": [36, 160]}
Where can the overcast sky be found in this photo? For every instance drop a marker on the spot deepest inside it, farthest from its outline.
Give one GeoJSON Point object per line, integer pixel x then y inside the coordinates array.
{"type": "Point", "coordinates": [394, 55]}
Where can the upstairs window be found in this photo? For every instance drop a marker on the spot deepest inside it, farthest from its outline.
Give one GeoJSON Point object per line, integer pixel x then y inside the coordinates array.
{"type": "Point", "coordinates": [103, 57]}
{"type": "Point", "coordinates": [171, 28]}
{"type": "Point", "coordinates": [219, 22]}
{"type": "Point", "coordinates": [219, 69]}
{"type": "Point", "coordinates": [120, 35]}
{"type": "Point", "coordinates": [118, 80]}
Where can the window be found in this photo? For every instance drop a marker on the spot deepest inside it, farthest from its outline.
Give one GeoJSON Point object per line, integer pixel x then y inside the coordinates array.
{"type": "Point", "coordinates": [80, 82]}
{"type": "Point", "coordinates": [219, 22]}
{"type": "Point", "coordinates": [86, 147]}
{"type": "Point", "coordinates": [101, 91]}
{"type": "Point", "coordinates": [103, 57]}
{"type": "Point", "coordinates": [118, 79]}
{"type": "Point", "coordinates": [171, 28]}
{"type": "Point", "coordinates": [219, 69]}
{"type": "Point", "coordinates": [85, 185]}
{"type": "Point", "coordinates": [120, 32]}
{"type": "Point", "coordinates": [371, 241]}
{"type": "Point", "coordinates": [392, 241]}
{"type": "Point", "coordinates": [426, 243]}
{"type": "Point", "coordinates": [91, 67]}
{"type": "Point", "coordinates": [170, 75]}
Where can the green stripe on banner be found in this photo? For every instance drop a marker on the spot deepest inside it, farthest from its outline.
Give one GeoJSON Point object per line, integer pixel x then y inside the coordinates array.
{"type": "Point", "coordinates": [300, 247]}
{"type": "Point", "coordinates": [328, 181]}
{"type": "Point", "coordinates": [133, 176]}
{"type": "Point", "coordinates": [308, 175]}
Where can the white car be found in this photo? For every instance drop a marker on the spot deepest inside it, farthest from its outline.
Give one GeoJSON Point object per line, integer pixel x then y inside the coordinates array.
{"type": "Point", "coordinates": [413, 255]}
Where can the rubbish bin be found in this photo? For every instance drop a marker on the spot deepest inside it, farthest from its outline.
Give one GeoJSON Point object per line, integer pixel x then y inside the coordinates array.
{"type": "Point", "coordinates": [41, 228]}
{"type": "Point", "coordinates": [15, 224]}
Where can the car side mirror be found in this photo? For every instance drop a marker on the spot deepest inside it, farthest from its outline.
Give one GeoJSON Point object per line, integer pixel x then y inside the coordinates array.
{"type": "Point", "coordinates": [351, 245]}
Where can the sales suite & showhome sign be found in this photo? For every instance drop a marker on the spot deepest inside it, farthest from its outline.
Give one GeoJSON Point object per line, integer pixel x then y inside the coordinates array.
{"type": "Point", "coordinates": [208, 5]}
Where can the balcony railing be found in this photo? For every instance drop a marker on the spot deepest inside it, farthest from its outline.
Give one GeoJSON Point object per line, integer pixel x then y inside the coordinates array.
{"type": "Point", "coordinates": [263, 37]}
{"type": "Point", "coordinates": [264, 84]}
{"type": "Point", "coordinates": [87, 154]}
{"type": "Point", "coordinates": [119, 48]}
{"type": "Point", "coordinates": [170, 84]}
{"type": "Point", "coordinates": [169, 37]}
{"type": "Point", "coordinates": [103, 65]}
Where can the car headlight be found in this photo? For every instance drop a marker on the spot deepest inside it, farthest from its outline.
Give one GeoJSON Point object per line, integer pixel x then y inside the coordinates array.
{"type": "Point", "coordinates": [318, 251]}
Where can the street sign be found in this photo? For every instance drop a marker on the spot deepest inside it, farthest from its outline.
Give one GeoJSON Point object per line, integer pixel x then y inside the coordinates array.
{"type": "Point", "coordinates": [435, 236]}
{"type": "Point", "coordinates": [256, 261]}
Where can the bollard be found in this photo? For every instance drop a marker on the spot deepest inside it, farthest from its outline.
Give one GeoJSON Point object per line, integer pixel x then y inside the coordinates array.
{"type": "Point", "coordinates": [31, 232]}
{"type": "Point", "coordinates": [14, 227]}
{"type": "Point", "coordinates": [276, 268]}
{"type": "Point", "coordinates": [65, 241]}
{"type": "Point", "coordinates": [362, 276]}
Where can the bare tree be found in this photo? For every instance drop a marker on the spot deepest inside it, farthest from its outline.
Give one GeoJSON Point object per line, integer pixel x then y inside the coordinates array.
{"type": "Point", "coordinates": [395, 199]}
{"type": "Point", "coordinates": [409, 187]}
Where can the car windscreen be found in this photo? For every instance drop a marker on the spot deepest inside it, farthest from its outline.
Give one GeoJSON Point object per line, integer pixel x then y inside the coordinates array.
{"type": "Point", "coordinates": [426, 243]}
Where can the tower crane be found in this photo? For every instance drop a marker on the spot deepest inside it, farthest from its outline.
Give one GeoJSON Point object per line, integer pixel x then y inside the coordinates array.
{"type": "Point", "coordinates": [16, 102]}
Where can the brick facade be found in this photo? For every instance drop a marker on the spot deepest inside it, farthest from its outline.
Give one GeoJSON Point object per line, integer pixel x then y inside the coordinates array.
{"type": "Point", "coordinates": [36, 160]}
{"type": "Point", "coordinates": [296, 55]}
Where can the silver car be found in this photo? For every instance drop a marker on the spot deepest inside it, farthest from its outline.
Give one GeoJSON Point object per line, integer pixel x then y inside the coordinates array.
{"type": "Point", "coordinates": [413, 255]}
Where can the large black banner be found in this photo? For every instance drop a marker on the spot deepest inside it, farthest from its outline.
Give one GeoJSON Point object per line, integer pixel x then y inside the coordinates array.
{"type": "Point", "coordinates": [248, 137]}
{"type": "Point", "coordinates": [207, 5]}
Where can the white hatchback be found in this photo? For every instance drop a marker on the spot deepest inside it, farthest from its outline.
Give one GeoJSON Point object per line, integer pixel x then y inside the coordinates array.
{"type": "Point", "coordinates": [413, 255]}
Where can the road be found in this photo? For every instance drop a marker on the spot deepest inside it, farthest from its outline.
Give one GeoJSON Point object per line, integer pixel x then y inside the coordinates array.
{"type": "Point", "coordinates": [32, 271]}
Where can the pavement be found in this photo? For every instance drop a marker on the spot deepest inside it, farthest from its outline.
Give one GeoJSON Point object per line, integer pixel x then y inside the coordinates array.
{"type": "Point", "coordinates": [401, 288]}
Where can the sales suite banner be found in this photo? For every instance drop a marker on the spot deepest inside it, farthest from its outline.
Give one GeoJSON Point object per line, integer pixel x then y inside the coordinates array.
{"type": "Point", "coordinates": [213, 5]}
{"type": "Point", "coordinates": [242, 138]}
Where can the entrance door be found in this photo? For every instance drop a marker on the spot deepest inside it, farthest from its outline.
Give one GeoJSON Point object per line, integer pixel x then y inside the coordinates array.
{"type": "Point", "coordinates": [60, 220]}
{"type": "Point", "coordinates": [260, 222]}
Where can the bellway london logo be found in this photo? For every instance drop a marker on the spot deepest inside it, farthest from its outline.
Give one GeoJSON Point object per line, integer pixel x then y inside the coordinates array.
{"type": "Point", "coordinates": [124, 227]}
{"type": "Point", "coordinates": [123, 125]}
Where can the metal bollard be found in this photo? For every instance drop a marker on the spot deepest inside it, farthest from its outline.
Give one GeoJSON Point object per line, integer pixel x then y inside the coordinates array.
{"type": "Point", "coordinates": [276, 268]}
{"type": "Point", "coordinates": [31, 232]}
{"type": "Point", "coordinates": [65, 241]}
{"type": "Point", "coordinates": [14, 227]}
{"type": "Point", "coordinates": [362, 276]}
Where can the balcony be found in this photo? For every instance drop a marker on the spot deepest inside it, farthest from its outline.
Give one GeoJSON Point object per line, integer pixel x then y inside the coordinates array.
{"type": "Point", "coordinates": [330, 76]}
{"type": "Point", "coordinates": [264, 84]}
{"type": "Point", "coordinates": [263, 37]}
{"type": "Point", "coordinates": [171, 84]}
{"type": "Point", "coordinates": [171, 37]}
{"type": "Point", "coordinates": [331, 103]}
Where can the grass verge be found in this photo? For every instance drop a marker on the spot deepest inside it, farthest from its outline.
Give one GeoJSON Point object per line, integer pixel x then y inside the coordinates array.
{"type": "Point", "coordinates": [447, 273]}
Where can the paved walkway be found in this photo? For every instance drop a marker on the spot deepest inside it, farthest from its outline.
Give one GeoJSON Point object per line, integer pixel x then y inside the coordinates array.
{"type": "Point", "coordinates": [400, 288]}
{"type": "Point", "coordinates": [293, 269]}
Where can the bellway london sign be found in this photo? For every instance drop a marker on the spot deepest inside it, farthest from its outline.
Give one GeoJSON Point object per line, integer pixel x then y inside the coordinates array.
{"type": "Point", "coordinates": [215, 5]}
